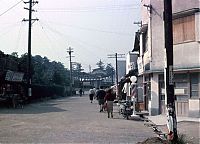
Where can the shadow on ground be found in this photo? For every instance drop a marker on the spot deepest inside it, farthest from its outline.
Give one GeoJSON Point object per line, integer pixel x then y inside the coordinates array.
{"type": "Point", "coordinates": [38, 108]}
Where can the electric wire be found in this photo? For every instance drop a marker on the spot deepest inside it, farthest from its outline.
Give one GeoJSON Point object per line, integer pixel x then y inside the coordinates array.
{"type": "Point", "coordinates": [83, 44]}
{"type": "Point", "coordinates": [96, 30]}
{"type": "Point", "coordinates": [11, 8]}
{"type": "Point", "coordinates": [91, 9]}
{"type": "Point", "coordinates": [45, 34]}
{"type": "Point", "coordinates": [18, 37]}
{"type": "Point", "coordinates": [76, 40]}
{"type": "Point", "coordinates": [97, 9]}
{"type": "Point", "coordinates": [6, 30]}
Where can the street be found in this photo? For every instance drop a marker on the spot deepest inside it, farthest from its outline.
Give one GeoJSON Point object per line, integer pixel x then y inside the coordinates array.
{"type": "Point", "coordinates": [68, 120]}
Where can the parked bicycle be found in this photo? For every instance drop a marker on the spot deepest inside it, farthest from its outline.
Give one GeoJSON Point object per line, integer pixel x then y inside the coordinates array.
{"type": "Point", "coordinates": [125, 108]}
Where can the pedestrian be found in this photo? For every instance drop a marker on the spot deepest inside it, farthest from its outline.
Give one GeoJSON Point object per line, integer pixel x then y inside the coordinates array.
{"type": "Point", "coordinates": [91, 94]}
{"type": "Point", "coordinates": [96, 91]}
{"type": "Point", "coordinates": [109, 98]}
{"type": "Point", "coordinates": [100, 97]}
{"type": "Point", "coordinates": [80, 92]}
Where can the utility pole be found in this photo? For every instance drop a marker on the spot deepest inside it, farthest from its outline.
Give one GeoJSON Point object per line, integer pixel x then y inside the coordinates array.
{"type": "Point", "coordinates": [169, 83]}
{"type": "Point", "coordinates": [138, 23]}
{"type": "Point", "coordinates": [70, 63]}
{"type": "Point", "coordinates": [116, 56]}
{"type": "Point", "coordinates": [29, 80]}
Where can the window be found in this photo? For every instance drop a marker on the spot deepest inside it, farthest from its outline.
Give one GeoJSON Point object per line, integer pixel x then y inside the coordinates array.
{"type": "Point", "coordinates": [147, 87]}
{"type": "Point", "coordinates": [184, 29]}
{"type": "Point", "coordinates": [195, 85]}
{"type": "Point", "coordinates": [161, 87]}
{"type": "Point", "coordinates": [145, 41]}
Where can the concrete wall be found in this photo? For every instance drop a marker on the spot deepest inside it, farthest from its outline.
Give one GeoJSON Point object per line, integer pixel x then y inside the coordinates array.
{"type": "Point", "coordinates": [144, 12]}
{"type": "Point", "coordinates": [194, 107]}
{"type": "Point", "coordinates": [154, 104]}
{"type": "Point", "coordinates": [186, 55]}
{"type": "Point", "coordinates": [158, 45]}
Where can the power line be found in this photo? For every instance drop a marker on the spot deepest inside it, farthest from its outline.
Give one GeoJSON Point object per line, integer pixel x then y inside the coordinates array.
{"type": "Point", "coordinates": [91, 9]}
{"type": "Point", "coordinates": [76, 40]}
{"type": "Point", "coordinates": [82, 44]}
{"type": "Point", "coordinates": [97, 30]}
{"type": "Point", "coordinates": [45, 34]}
{"type": "Point", "coordinates": [11, 8]}
{"type": "Point", "coordinates": [8, 29]}
{"type": "Point", "coordinates": [18, 37]}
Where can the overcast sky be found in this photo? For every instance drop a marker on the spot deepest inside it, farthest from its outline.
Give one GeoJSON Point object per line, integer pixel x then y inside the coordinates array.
{"type": "Point", "coordinates": [93, 28]}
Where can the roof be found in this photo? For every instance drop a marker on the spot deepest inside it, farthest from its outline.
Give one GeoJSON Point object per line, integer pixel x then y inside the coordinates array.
{"type": "Point", "coordinates": [176, 70]}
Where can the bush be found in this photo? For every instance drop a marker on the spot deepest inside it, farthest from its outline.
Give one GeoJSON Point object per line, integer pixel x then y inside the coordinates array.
{"type": "Point", "coordinates": [42, 91]}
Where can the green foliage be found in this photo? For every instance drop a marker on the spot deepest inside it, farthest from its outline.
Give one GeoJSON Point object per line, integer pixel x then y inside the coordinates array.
{"type": "Point", "coordinates": [182, 139]}
{"type": "Point", "coordinates": [49, 73]}
{"type": "Point", "coordinates": [45, 72]}
{"type": "Point", "coordinates": [23, 63]}
{"type": "Point", "coordinates": [14, 54]}
{"type": "Point", "coordinates": [100, 65]}
{"type": "Point", "coordinates": [110, 70]}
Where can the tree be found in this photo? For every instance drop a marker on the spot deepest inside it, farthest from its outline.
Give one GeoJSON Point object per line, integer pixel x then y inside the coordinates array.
{"type": "Point", "coordinates": [77, 74]}
{"type": "Point", "coordinates": [14, 54]}
{"type": "Point", "coordinates": [47, 73]}
{"type": "Point", "coordinates": [77, 67]}
{"type": "Point", "coordinates": [23, 63]}
{"type": "Point", "coordinates": [39, 70]}
{"type": "Point", "coordinates": [110, 71]}
{"type": "Point", "coordinates": [100, 65]}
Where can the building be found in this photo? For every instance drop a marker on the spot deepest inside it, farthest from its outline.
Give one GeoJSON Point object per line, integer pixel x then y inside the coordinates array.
{"type": "Point", "coordinates": [186, 38]}
{"type": "Point", "coordinates": [121, 65]}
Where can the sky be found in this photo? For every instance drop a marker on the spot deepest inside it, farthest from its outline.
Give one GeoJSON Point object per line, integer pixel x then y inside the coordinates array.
{"type": "Point", "coordinates": [94, 29]}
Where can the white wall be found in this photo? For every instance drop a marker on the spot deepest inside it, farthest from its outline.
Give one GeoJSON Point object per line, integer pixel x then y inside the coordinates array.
{"type": "Point", "coordinates": [158, 44]}
{"type": "Point", "coordinates": [194, 106]}
{"type": "Point", "coordinates": [186, 55]}
{"type": "Point", "coordinates": [154, 108]}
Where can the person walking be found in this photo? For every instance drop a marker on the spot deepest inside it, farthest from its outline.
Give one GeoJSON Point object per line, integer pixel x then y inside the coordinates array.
{"type": "Point", "coordinates": [109, 98]}
{"type": "Point", "coordinates": [91, 94]}
{"type": "Point", "coordinates": [100, 97]}
{"type": "Point", "coordinates": [80, 92]}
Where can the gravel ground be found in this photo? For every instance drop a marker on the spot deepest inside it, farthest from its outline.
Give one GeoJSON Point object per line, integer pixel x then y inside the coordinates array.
{"type": "Point", "coordinates": [68, 120]}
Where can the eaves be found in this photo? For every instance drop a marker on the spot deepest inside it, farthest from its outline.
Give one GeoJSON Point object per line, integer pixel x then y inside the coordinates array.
{"type": "Point", "coordinates": [185, 13]}
{"type": "Point", "coordinates": [176, 70]}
